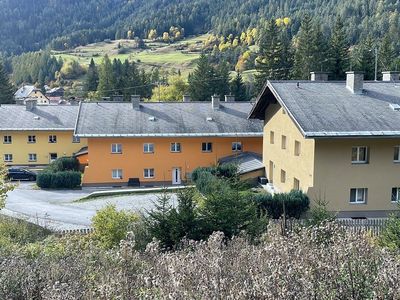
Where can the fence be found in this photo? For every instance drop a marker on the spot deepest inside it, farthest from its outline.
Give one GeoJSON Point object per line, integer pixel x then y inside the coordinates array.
{"type": "Point", "coordinates": [81, 231]}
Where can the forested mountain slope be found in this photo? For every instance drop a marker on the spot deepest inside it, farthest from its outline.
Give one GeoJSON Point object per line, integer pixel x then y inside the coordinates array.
{"type": "Point", "coordinates": [27, 25]}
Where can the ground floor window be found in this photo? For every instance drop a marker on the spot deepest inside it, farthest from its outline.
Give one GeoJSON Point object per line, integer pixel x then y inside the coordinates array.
{"type": "Point", "coordinates": [296, 184]}
{"type": "Point", "coordinates": [117, 174]}
{"type": "Point", "coordinates": [8, 157]}
{"type": "Point", "coordinates": [32, 157]}
{"type": "Point", "coordinates": [148, 173]}
{"type": "Point", "coordinates": [395, 194]}
{"type": "Point", "coordinates": [358, 195]}
{"type": "Point", "coordinates": [283, 176]}
{"type": "Point", "coordinates": [53, 157]}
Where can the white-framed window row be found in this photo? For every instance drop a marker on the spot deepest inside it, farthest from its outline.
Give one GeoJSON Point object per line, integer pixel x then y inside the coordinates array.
{"type": "Point", "coordinates": [148, 173]}
{"type": "Point", "coordinates": [116, 148]}
{"type": "Point", "coordinates": [76, 139]}
{"type": "Point", "coordinates": [396, 154]}
{"type": "Point", "coordinates": [32, 139]}
{"type": "Point", "coordinates": [148, 148]}
{"type": "Point", "coordinates": [358, 195]}
{"type": "Point", "coordinates": [52, 139]}
{"type": "Point", "coordinates": [237, 147]}
{"type": "Point", "coordinates": [395, 194]}
{"type": "Point", "coordinates": [7, 139]}
{"type": "Point", "coordinates": [8, 157]}
{"type": "Point", "coordinates": [32, 157]}
{"type": "Point", "coordinates": [116, 174]}
{"type": "Point", "coordinates": [206, 147]}
{"type": "Point", "coordinates": [176, 147]}
{"type": "Point", "coordinates": [359, 155]}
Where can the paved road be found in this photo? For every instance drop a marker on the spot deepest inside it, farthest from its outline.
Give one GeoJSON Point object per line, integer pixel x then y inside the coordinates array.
{"type": "Point", "coordinates": [57, 209]}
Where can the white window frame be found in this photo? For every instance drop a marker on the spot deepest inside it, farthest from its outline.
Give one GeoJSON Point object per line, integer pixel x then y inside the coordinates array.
{"type": "Point", "coordinates": [31, 155]}
{"type": "Point", "coordinates": [358, 161]}
{"type": "Point", "coordinates": [52, 139]}
{"type": "Point", "coordinates": [32, 139]}
{"type": "Point", "coordinates": [7, 139]}
{"type": "Point", "coordinates": [117, 174]}
{"type": "Point", "coordinates": [8, 157]}
{"type": "Point", "coordinates": [357, 192]}
{"type": "Point", "coordinates": [176, 147]}
{"type": "Point", "coordinates": [148, 148]}
{"type": "Point", "coordinates": [397, 195]}
{"type": "Point", "coordinates": [207, 148]}
{"type": "Point", "coordinates": [148, 173]}
{"type": "Point", "coordinates": [235, 147]}
{"type": "Point", "coordinates": [396, 149]}
{"type": "Point", "coordinates": [116, 148]}
{"type": "Point", "coordinates": [76, 139]}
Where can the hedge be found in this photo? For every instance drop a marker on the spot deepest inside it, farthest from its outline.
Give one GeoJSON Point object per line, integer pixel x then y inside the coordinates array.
{"type": "Point", "coordinates": [59, 180]}
{"type": "Point", "coordinates": [295, 203]}
{"type": "Point", "coordinates": [64, 164]}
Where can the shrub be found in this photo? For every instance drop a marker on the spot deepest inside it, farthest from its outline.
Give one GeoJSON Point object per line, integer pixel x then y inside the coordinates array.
{"type": "Point", "coordinates": [43, 180]}
{"type": "Point", "coordinates": [64, 164]}
{"type": "Point", "coordinates": [59, 180]}
{"type": "Point", "coordinates": [390, 237]}
{"type": "Point", "coordinates": [111, 226]}
{"type": "Point", "coordinates": [292, 204]}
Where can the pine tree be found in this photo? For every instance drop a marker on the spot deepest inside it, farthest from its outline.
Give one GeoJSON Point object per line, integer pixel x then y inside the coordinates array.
{"type": "Point", "coordinates": [339, 51]}
{"type": "Point", "coordinates": [221, 81]}
{"type": "Point", "coordinates": [106, 79]}
{"type": "Point", "coordinates": [320, 60]}
{"type": "Point", "coordinates": [238, 88]}
{"type": "Point", "coordinates": [201, 86]}
{"type": "Point", "coordinates": [363, 58]}
{"type": "Point", "coordinates": [387, 54]}
{"type": "Point", "coordinates": [6, 89]}
{"type": "Point", "coordinates": [92, 77]}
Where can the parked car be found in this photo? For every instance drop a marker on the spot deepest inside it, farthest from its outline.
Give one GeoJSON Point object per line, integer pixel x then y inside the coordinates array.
{"type": "Point", "coordinates": [21, 174]}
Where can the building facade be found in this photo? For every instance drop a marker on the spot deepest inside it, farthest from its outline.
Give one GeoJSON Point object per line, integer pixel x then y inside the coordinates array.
{"type": "Point", "coordinates": [336, 141]}
{"type": "Point", "coordinates": [30, 92]}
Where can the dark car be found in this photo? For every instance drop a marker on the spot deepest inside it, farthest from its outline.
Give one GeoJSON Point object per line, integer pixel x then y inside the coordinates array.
{"type": "Point", "coordinates": [21, 174]}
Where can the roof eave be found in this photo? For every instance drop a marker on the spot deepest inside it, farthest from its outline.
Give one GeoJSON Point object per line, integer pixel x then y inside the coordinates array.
{"type": "Point", "coordinates": [353, 134]}
{"type": "Point", "coordinates": [133, 135]}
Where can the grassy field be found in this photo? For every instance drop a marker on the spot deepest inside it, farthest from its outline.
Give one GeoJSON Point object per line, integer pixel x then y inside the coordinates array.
{"type": "Point", "coordinates": [180, 55]}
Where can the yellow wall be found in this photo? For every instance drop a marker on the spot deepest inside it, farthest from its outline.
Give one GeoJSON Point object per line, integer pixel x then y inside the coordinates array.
{"type": "Point", "coordinates": [300, 167]}
{"type": "Point", "coordinates": [20, 148]}
{"type": "Point", "coordinates": [335, 174]}
{"type": "Point", "coordinates": [133, 161]}
{"type": "Point", "coordinates": [41, 99]}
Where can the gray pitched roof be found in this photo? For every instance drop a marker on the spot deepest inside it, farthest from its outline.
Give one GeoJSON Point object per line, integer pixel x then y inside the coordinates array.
{"type": "Point", "coordinates": [246, 161]}
{"type": "Point", "coordinates": [322, 109]}
{"type": "Point", "coordinates": [166, 119]}
{"type": "Point", "coordinates": [24, 91]}
{"type": "Point", "coordinates": [43, 117]}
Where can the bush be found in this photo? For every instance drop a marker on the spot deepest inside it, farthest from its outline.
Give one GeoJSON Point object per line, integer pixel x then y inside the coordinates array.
{"type": "Point", "coordinates": [64, 164]}
{"type": "Point", "coordinates": [390, 237]}
{"type": "Point", "coordinates": [111, 226]}
{"type": "Point", "coordinates": [59, 180]}
{"type": "Point", "coordinates": [292, 204]}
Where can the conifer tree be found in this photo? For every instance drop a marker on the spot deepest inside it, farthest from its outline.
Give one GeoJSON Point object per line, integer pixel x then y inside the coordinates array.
{"type": "Point", "coordinates": [106, 78]}
{"type": "Point", "coordinates": [387, 54]}
{"type": "Point", "coordinates": [238, 88]}
{"type": "Point", "coordinates": [6, 89]}
{"type": "Point", "coordinates": [92, 77]}
{"type": "Point", "coordinates": [363, 57]}
{"type": "Point", "coordinates": [221, 81]}
{"type": "Point", "coordinates": [201, 86]}
{"type": "Point", "coordinates": [339, 51]}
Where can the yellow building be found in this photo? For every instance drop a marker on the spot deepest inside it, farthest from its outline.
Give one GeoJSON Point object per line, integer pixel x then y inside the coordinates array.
{"type": "Point", "coordinates": [36, 135]}
{"type": "Point", "coordinates": [337, 141]}
{"type": "Point", "coordinates": [30, 92]}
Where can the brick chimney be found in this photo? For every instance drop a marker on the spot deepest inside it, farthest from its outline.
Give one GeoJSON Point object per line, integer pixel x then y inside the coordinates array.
{"type": "Point", "coordinates": [229, 98]}
{"type": "Point", "coordinates": [319, 76]}
{"type": "Point", "coordinates": [186, 98]}
{"type": "Point", "coordinates": [30, 104]}
{"type": "Point", "coordinates": [135, 99]}
{"type": "Point", "coordinates": [355, 82]}
{"type": "Point", "coordinates": [215, 100]}
{"type": "Point", "coordinates": [390, 76]}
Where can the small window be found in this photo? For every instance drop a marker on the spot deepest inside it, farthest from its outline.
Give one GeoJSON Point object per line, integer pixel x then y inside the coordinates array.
{"type": "Point", "coordinates": [52, 139]}
{"type": "Point", "coordinates": [116, 148]}
{"type": "Point", "coordinates": [7, 139]}
{"type": "Point", "coordinates": [296, 184]}
{"type": "Point", "coordinates": [32, 157]}
{"type": "Point", "coordinates": [396, 156]}
{"type": "Point", "coordinates": [206, 147]}
{"type": "Point", "coordinates": [358, 195]}
{"type": "Point", "coordinates": [116, 174]}
{"type": "Point", "coordinates": [8, 157]}
{"type": "Point", "coordinates": [283, 176]}
{"type": "Point", "coordinates": [175, 147]}
{"type": "Point", "coordinates": [272, 137]}
{"type": "Point", "coordinates": [53, 157]}
{"type": "Point", "coordinates": [283, 111]}
{"type": "Point", "coordinates": [359, 155]}
{"type": "Point", "coordinates": [148, 148]}
{"type": "Point", "coordinates": [297, 148]}
{"type": "Point", "coordinates": [32, 139]}
{"type": "Point", "coordinates": [148, 173]}
{"type": "Point", "coordinates": [283, 142]}
{"type": "Point", "coordinates": [236, 146]}
{"type": "Point", "coordinates": [395, 194]}
{"type": "Point", "coordinates": [76, 139]}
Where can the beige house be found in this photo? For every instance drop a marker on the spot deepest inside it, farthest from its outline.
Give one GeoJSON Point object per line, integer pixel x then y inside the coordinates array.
{"type": "Point", "coordinates": [336, 141]}
{"type": "Point", "coordinates": [30, 92]}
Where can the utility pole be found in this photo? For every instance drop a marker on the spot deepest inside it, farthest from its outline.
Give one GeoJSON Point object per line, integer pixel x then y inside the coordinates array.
{"type": "Point", "coordinates": [376, 63]}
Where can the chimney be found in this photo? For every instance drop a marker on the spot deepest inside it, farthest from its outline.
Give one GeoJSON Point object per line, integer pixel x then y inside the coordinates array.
{"type": "Point", "coordinates": [319, 76]}
{"type": "Point", "coordinates": [215, 102]}
{"type": "Point", "coordinates": [390, 76]}
{"type": "Point", "coordinates": [30, 104]}
{"type": "Point", "coordinates": [118, 98]}
{"type": "Point", "coordinates": [186, 98]}
{"type": "Point", "coordinates": [355, 81]}
{"type": "Point", "coordinates": [229, 98]}
{"type": "Point", "coordinates": [135, 99]}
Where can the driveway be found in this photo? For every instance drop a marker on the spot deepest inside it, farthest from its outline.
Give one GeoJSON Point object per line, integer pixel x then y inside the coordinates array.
{"type": "Point", "coordinates": [59, 210]}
